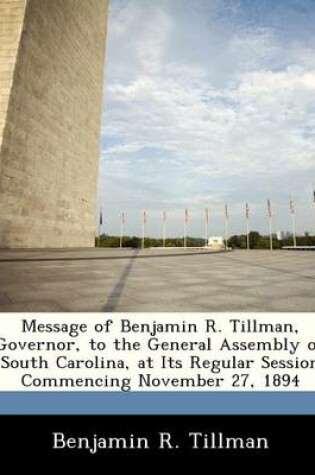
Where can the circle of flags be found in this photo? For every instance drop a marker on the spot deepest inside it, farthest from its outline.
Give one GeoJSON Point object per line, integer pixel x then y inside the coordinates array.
{"type": "Point", "coordinates": [269, 212]}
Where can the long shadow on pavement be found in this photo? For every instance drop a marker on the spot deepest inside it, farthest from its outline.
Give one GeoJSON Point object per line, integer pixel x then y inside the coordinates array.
{"type": "Point", "coordinates": [115, 294]}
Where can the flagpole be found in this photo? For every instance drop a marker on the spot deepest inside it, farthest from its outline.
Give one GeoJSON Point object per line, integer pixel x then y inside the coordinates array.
{"type": "Point", "coordinates": [143, 229]}
{"type": "Point", "coordinates": [99, 227]}
{"type": "Point", "coordinates": [226, 228]}
{"type": "Point", "coordinates": [122, 217]}
{"type": "Point", "coordinates": [247, 228]}
{"type": "Point", "coordinates": [185, 238]}
{"type": "Point", "coordinates": [185, 229]}
{"type": "Point", "coordinates": [247, 234]}
{"type": "Point", "coordinates": [293, 211]}
{"type": "Point", "coordinates": [270, 223]}
{"type": "Point", "coordinates": [164, 228]}
{"type": "Point", "coordinates": [293, 229]}
{"type": "Point", "coordinates": [207, 226]}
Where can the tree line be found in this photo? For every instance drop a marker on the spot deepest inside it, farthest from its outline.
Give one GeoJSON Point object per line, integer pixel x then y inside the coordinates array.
{"type": "Point", "coordinates": [237, 241]}
{"type": "Point", "coordinates": [135, 242]}
{"type": "Point", "coordinates": [257, 241]}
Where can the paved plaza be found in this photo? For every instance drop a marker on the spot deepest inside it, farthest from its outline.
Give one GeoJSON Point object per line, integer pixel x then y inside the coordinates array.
{"type": "Point", "coordinates": [156, 280]}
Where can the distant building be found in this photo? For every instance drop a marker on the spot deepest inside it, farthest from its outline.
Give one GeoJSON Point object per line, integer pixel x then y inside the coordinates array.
{"type": "Point", "coordinates": [283, 235]}
{"type": "Point", "coordinates": [216, 241]}
{"type": "Point", "coordinates": [280, 235]}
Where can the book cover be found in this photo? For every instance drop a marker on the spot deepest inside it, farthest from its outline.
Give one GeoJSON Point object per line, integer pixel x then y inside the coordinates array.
{"type": "Point", "coordinates": [157, 230]}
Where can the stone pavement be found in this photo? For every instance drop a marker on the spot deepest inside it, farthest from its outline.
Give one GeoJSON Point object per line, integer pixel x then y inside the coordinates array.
{"type": "Point", "coordinates": [156, 280]}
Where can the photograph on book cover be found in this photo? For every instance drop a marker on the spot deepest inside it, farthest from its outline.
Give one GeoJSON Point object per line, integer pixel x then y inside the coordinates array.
{"type": "Point", "coordinates": [158, 156]}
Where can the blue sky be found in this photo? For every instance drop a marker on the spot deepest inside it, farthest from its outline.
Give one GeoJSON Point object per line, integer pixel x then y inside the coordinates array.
{"type": "Point", "coordinates": [208, 102]}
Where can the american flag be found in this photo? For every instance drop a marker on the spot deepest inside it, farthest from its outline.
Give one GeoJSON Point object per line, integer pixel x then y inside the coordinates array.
{"type": "Point", "coordinates": [164, 216]}
{"type": "Point", "coordinates": [186, 216]}
{"type": "Point", "coordinates": [292, 205]}
{"type": "Point", "coordinates": [269, 211]}
{"type": "Point", "coordinates": [314, 198]}
{"type": "Point", "coordinates": [226, 212]}
{"type": "Point", "coordinates": [101, 218]}
{"type": "Point", "coordinates": [247, 211]}
{"type": "Point", "coordinates": [123, 218]}
{"type": "Point", "coordinates": [144, 217]}
{"type": "Point", "coordinates": [207, 215]}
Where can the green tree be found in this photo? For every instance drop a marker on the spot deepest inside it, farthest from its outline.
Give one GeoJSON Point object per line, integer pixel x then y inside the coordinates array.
{"type": "Point", "coordinates": [254, 238]}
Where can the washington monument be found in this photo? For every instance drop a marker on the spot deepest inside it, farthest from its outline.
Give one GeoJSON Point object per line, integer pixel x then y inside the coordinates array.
{"type": "Point", "coordinates": [51, 75]}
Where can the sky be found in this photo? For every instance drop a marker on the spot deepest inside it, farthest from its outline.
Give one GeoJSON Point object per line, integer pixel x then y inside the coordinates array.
{"type": "Point", "coordinates": [208, 102]}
